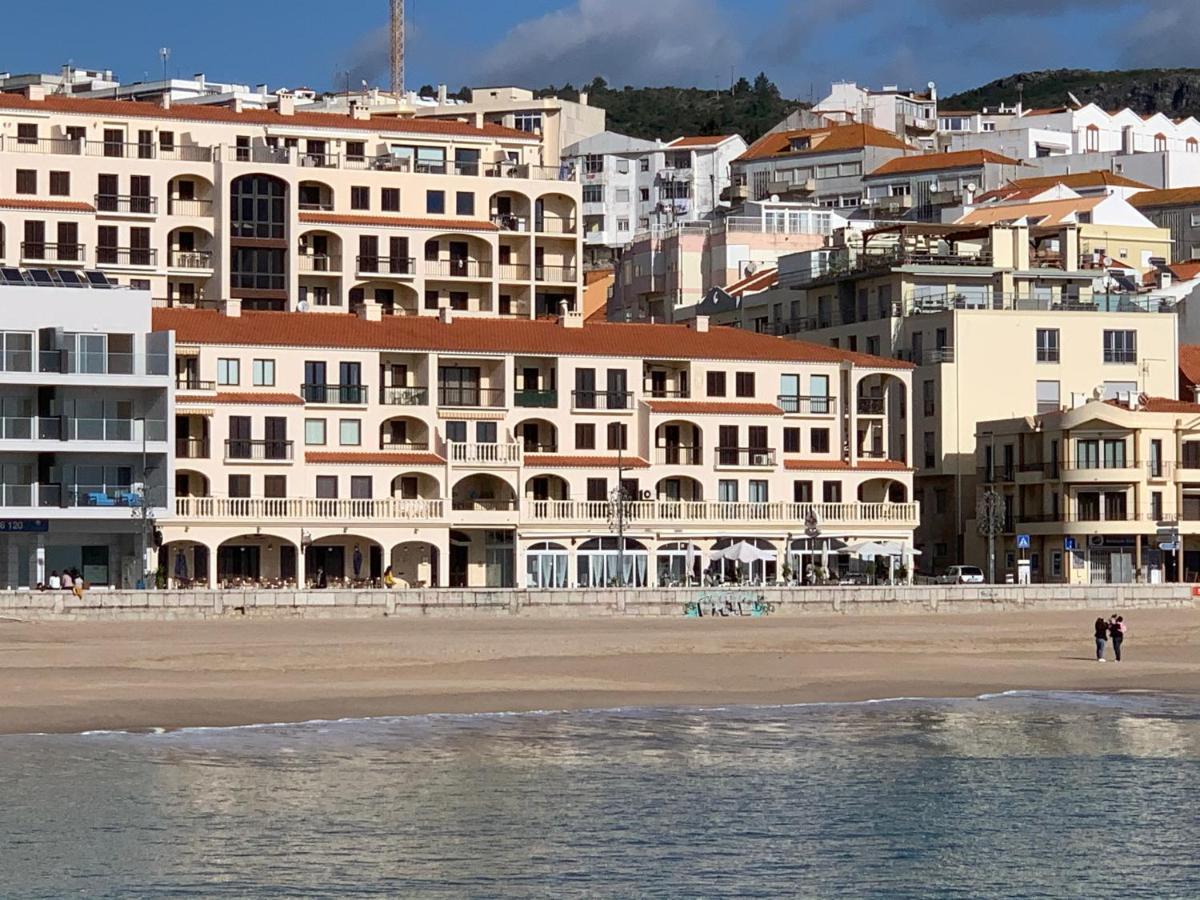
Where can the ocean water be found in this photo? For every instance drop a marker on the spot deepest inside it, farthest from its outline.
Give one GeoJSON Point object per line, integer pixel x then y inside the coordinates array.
{"type": "Point", "coordinates": [1019, 795]}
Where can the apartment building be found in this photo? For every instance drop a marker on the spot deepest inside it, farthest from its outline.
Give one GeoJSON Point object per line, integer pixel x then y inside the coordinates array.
{"type": "Point", "coordinates": [925, 187]}
{"type": "Point", "coordinates": [667, 270]}
{"type": "Point", "coordinates": [283, 209]}
{"type": "Point", "coordinates": [86, 408]}
{"type": "Point", "coordinates": [1177, 210]}
{"type": "Point", "coordinates": [911, 115]}
{"type": "Point", "coordinates": [1000, 320]}
{"type": "Point", "coordinates": [460, 451]}
{"type": "Point", "coordinates": [1105, 490]}
{"type": "Point", "coordinates": [631, 185]}
{"type": "Point", "coordinates": [823, 165]}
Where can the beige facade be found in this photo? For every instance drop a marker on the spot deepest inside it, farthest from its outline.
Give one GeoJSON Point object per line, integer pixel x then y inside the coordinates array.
{"type": "Point", "coordinates": [1097, 488]}
{"type": "Point", "coordinates": [470, 452]}
{"type": "Point", "coordinates": [288, 210]}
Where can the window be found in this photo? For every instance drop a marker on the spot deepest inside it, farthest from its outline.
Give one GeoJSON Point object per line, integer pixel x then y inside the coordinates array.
{"type": "Point", "coordinates": [585, 437]}
{"type": "Point", "coordinates": [27, 133]}
{"type": "Point", "coordinates": [1047, 345]}
{"type": "Point", "coordinates": [435, 202]}
{"type": "Point", "coordinates": [791, 440]}
{"type": "Point", "coordinates": [460, 300]}
{"type": "Point", "coordinates": [622, 224]}
{"type": "Point", "coordinates": [757, 491]}
{"type": "Point", "coordinates": [239, 486]}
{"type": "Point", "coordinates": [1047, 397]}
{"type": "Point", "coordinates": [356, 151]}
{"type": "Point", "coordinates": [229, 371]}
{"type": "Point", "coordinates": [389, 200]}
{"type": "Point", "coordinates": [275, 486]}
{"type": "Point", "coordinates": [456, 432]}
{"type": "Point", "coordinates": [744, 384]}
{"type": "Point", "coordinates": [1156, 460]}
{"type": "Point", "coordinates": [528, 121]}
{"type": "Point", "coordinates": [727, 491]}
{"type": "Point", "coordinates": [431, 299]}
{"type": "Point", "coordinates": [929, 397]}
{"type": "Point", "coordinates": [831, 492]}
{"type": "Point", "coordinates": [716, 384]}
{"type": "Point", "coordinates": [60, 184]}
{"type": "Point", "coordinates": [263, 373]}
{"type": "Point", "coordinates": [1120, 346]}
{"type": "Point", "coordinates": [361, 487]}
{"type": "Point", "coordinates": [26, 181]}
{"type": "Point", "coordinates": [827, 171]}
{"type": "Point", "coordinates": [930, 447]}
{"type": "Point", "coordinates": [819, 440]}
{"type": "Point", "coordinates": [802, 492]}
{"type": "Point", "coordinates": [644, 194]}
{"type": "Point", "coordinates": [258, 207]}
{"type": "Point", "coordinates": [618, 435]}
{"type": "Point", "coordinates": [644, 164]}
{"type": "Point", "coordinates": [314, 432]}
{"type": "Point", "coordinates": [464, 203]}
{"type": "Point", "coordinates": [327, 487]}
{"type": "Point", "coordinates": [597, 490]}
{"type": "Point", "coordinates": [360, 197]}
{"type": "Point", "coordinates": [350, 432]}
{"type": "Point", "coordinates": [593, 193]}
{"type": "Point", "coordinates": [1156, 506]}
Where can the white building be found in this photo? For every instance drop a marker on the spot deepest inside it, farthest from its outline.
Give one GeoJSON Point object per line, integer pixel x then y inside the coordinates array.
{"type": "Point", "coordinates": [909, 114]}
{"type": "Point", "coordinates": [86, 407]}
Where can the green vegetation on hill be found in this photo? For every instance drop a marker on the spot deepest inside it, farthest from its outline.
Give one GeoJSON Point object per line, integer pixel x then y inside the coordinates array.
{"type": "Point", "coordinates": [1173, 92]}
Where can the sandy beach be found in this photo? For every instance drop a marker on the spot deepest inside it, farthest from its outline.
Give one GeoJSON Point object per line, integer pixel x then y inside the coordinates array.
{"type": "Point", "coordinates": [71, 677]}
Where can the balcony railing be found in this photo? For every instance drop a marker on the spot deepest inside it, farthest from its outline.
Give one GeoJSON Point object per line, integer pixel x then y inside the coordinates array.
{"type": "Point", "coordinates": [664, 393]}
{"type": "Point", "coordinates": [190, 259]}
{"type": "Point", "coordinates": [483, 504]}
{"type": "Point", "coordinates": [403, 396]}
{"type": "Point", "coordinates": [513, 272]}
{"type": "Point", "coordinates": [127, 203]}
{"type": "Point", "coordinates": [49, 146]}
{"type": "Point", "coordinates": [303, 509]}
{"type": "Point", "coordinates": [390, 442]}
{"type": "Point", "coordinates": [507, 454]}
{"type": "Point", "coordinates": [342, 394]}
{"type": "Point", "coordinates": [66, 361]}
{"type": "Point", "coordinates": [178, 152]}
{"type": "Point", "coordinates": [387, 265]}
{"type": "Point", "coordinates": [602, 400]}
{"type": "Point", "coordinates": [650, 512]}
{"type": "Point", "coordinates": [679, 456]}
{"type": "Point", "coordinates": [71, 428]}
{"type": "Point", "coordinates": [191, 448]}
{"type": "Point", "coordinates": [127, 256]}
{"type": "Point", "coordinates": [557, 274]}
{"type": "Point", "coordinates": [458, 268]}
{"type": "Point", "coordinates": [36, 250]}
{"type": "Point", "coordinates": [187, 383]}
{"type": "Point", "coordinates": [796, 404]}
{"type": "Point", "coordinates": [178, 206]}
{"type": "Point", "coordinates": [535, 399]}
{"type": "Point", "coordinates": [870, 406]}
{"type": "Point", "coordinates": [509, 222]}
{"type": "Point", "coordinates": [745, 457]}
{"type": "Point", "coordinates": [237, 448]}
{"type": "Point", "coordinates": [50, 495]}
{"type": "Point", "coordinates": [555, 225]}
{"type": "Point", "coordinates": [478, 397]}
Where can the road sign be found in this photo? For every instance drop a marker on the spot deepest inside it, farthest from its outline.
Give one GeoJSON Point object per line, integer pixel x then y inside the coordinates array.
{"type": "Point", "coordinates": [26, 525]}
{"type": "Point", "coordinates": [1069, 544]}
{"type": "Point", "coordinates": [1022, 542]}
{"type": "Point", "coordinates": [1168, 547]}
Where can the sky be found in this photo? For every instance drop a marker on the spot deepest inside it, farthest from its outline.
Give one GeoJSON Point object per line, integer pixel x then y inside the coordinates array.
{"type": "Point", "coordinates": [801, 44]}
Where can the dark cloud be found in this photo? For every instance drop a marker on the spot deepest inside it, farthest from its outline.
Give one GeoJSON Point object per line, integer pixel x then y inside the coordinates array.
{"type": "Point", "coordinates": [975, 9]}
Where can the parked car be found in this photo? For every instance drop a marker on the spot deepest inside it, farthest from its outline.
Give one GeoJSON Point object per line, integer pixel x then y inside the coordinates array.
{"type": "Point", "coordinates": [963, 575]}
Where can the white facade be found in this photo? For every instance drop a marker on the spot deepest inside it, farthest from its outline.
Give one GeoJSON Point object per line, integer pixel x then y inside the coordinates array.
{"type": "Point", "coordinates": [905, 113]}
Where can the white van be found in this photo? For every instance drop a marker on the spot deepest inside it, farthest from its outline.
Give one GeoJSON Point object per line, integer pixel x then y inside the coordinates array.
{"type": "Point", "coordinates": [963, 575]}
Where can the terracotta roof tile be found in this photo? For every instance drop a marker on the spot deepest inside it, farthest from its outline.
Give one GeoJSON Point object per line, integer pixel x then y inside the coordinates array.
{"type": "Point", "coordinates": [752, 284]}
{"type": "Point", "coordinates": [197, 113]}
{"type": "Point", "coordinates": [325, 218]}
{"type": "Point", "coordinates": [692, 408]}
{"type": "Point", "coordinates": [46, 205]}
{"type": "Point", "coordinates": [837, 465]}
{"type": "Point", "coordinates": [711, 140]}
{"type": "Point", "coordinates": [1189, 362]}
{"type": "Point", "coordinates": [374, 459]}
{"type": "Point", "coordinates": [1162, 405]}
{"type": "Point", "coordinates": [933, 162]}
{"type": "Point", "coordinates": [558, 461]}
{"type": "Point", "coordinates": [1185, 196]}
{"type": "Point", "coordinates": [823, 140]}
{"type": "Point", "coordinates": [480, 335]}
{"type": "Point", "coordinates": [1185, 271]}
{"type": "Point", "coordinates": [1025, 188]}
{"type": "Point", "coordinates": [1042, 212]}
{"type": "Point", "coordinates": [252, 398]}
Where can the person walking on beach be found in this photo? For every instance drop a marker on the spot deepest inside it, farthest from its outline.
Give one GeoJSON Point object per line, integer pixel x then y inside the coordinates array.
{"type": "Point", "coordinates": [1116, 631]}
{"type": "Point", "coordinates": [1101, 638]}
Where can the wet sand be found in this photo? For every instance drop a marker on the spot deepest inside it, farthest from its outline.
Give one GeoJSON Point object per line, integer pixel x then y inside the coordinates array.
{"type": "Point", "coordinates": [71, 677]}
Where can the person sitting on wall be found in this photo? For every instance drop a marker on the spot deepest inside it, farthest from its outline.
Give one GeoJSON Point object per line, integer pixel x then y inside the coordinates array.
{"type": "Point", "coordinates": [67, 581]}
{"type": "Point", "coordinates": [55, 583]}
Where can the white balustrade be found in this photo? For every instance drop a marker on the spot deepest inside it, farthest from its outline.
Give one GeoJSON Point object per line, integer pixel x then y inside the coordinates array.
{"type": "Point", "coordinates": [507, 454]}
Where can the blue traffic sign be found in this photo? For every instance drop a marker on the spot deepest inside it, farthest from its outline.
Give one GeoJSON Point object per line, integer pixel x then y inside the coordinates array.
{"type": "Point", "coordinates": [1022, 542]}
{"type": "Point", "coordinates": [1069, 544]}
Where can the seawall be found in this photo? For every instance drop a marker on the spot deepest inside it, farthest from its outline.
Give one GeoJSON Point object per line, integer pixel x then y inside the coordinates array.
{"type": "Point", "coordinates": [339, 603]}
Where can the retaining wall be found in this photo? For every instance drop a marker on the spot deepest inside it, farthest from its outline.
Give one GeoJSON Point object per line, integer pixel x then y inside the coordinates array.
{"type": "Point", "coordinates": [134, 605]}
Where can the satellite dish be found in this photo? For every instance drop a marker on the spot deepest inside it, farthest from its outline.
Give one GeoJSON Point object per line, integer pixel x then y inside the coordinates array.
{"type": "Point", "coordinates": [751, 268]}
{"type": "Point", "coordinates": [1074, 100]}
{"type": "Point", "coordinates": [302, 306]}
{"type": "Point", "coordinates": [774, 198]}
{"type": "Point", "coordinates": [972, 187]}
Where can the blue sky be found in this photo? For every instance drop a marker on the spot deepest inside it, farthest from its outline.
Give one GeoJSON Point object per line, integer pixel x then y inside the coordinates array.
{"type": "Point", "coordinates": [801, 44]}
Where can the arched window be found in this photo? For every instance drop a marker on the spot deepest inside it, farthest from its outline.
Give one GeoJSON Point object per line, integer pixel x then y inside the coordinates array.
{"type": "Point", "coordinates": [678, 563]}
{"type": "Point", "coordinates": [546, 565]}
{"type": "Point", "coordinates": [1193, 145]}
{"type": "Point", "coordinates": [1092, 136]}
{"type": "Point", "coordinates": [258, 208]}
{"type": "Point", "coordinates": [599, 563]}
{"type": "Point", "coordinates": [1160, 142]}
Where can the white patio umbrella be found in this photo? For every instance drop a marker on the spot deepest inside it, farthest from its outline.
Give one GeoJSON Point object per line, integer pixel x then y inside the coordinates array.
{"type": "Point", "coordinates": [872, 549]}
{"type": "Point", "coordinates": [745, 552]}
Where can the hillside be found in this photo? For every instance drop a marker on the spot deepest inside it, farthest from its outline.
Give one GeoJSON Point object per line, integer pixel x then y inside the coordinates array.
{"type": "Point", "coordinates": [1175, 92]}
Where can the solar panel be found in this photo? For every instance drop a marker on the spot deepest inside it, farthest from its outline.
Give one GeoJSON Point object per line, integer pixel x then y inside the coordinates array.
{"type": "Point", "coordinates": [69, 278]}
{"type": "Point", "coordinates": [41, 277]}
{"type": "Point", "coordinates": [12, 276]}
{"type": "Point", "coordinates": [97, 279]}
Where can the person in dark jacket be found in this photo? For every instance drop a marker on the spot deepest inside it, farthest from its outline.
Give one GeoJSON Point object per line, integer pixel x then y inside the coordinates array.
{"type": "Point", "coordinates": [1101, 638]}
{"type": "Point", "coordinates": [1116, 631]}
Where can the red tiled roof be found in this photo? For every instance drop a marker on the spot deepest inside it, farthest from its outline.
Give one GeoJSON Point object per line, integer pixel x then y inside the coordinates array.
{"type": "Point", "coordinates": [399, 222]}
{"type": "Point", "coordinates": [479, 335]}
{"type": "Point", "coordinates": [267, 117]}
{"type": "Point", "coordinates": [1185, 271]}
{"type": "Point", "coordinates": [1184, 196]}
{"type": "Point", "coordinates": [246, 397]}
{"type": "Point", "coordinates": [374, 459]}
{"type": "Point", "coordinates": [47, 205]}
{"type": "Point", "coordinates": [557, 461]}
{"type": "Point", "coordinates": [1025, 188]}
{"type": "Point", "coordinates": [711, 140]}
{"type": "Point", "coordinates": [823, 140]}
{"type": "Point", "coordinates": [752, 284]}
{"type": "Point", "coordinates": [690, 408]}
{"type": "Point", "coordinates": [834, 465]}
{"type": "Point", "coordinates": [1189, 362]}
{"type": "Point", "coordinates": [933, 162]}
{"type": "Point", "coordinates": [1161, 405]}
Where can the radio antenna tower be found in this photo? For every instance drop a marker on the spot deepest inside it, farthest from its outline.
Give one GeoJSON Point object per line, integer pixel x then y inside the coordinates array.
{"type": "Point", "coordinates": [397, 49]}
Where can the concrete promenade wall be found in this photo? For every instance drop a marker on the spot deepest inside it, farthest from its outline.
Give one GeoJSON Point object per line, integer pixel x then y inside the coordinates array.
{"type": "Point", "coordinates": [338, 604]}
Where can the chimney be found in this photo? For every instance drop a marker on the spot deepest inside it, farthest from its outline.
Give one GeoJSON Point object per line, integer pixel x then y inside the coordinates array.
{"type": "Point", "coordinates": [1127, 139]}
{"type": "Point", "coordinates": [570, 318]}
{"type": "Point", "coordinates": [237, 104]}
{"type": "Point", "coordinates": [445, 315]}
{"type": "Point", "coordinates": [1163, 278]}
{"type": "Point", "coordinates": [360, 112]}
{"type": "Point", "coordinates": [260, 89]}
{"type": "Point", "coordinates": [199, 77]}
{"type": "Point", "coordinates": [699, 324]}
{"type": "Point", "coordinates": [1196, 393]}
{"type": "Point", "coordinates": [583, 98]}
{"type": "Point", "coordinates": [35, 92]}
{"type": "Point", "coordinates": [370, 311]}
{"type": "Point", "coordinates": [287, 103]}
{"type": "Point", "coordinates": [165, 100]}
{"type": "Point", "coordinates": [232, 308]}
{"type": "Point", "coordinates": [442, 95]}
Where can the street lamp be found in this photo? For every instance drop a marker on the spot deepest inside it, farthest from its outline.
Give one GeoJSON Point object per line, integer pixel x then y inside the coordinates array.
{"type": "Point", "coordinates": [144, 504]}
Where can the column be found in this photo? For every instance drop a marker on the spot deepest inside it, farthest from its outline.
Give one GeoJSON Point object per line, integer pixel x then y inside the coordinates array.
{"type": "Point", "coordinates": [37, 568]}
{"type": "Point", "coordinates": [212, 568]}
{"type": "Point", "coordinates": [443, 578]}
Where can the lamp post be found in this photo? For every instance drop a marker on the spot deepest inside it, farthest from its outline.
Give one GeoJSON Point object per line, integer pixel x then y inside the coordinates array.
{"type": "Point", "coordinates": [616, 513]}
{"type": "Point", "coordinates": [145, 505]}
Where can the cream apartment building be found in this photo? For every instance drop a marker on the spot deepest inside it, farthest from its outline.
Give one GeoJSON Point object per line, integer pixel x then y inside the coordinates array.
{"type": "Point", "coordinates": [284, 209]}
{"type": "Point", "coordinates": [1105, 490]}
{"type": "Point", "coordinates": [1000, 321]}
{"type": "Point", "coordinates": [464, 451]}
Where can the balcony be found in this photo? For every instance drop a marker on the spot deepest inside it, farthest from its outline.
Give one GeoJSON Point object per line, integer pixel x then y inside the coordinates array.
{"type": "Point", "coordinates": [871, 406]}
{"type": "Point", "coordinates": [683, 512]}
{"type": "Point", "coordinates": [241, 450]}
{"type": "Point", "coordinates": [191, 448]}
{"type": "Point", "coordinates": [531, 399]}
{"type": "Point", "coordinates": [127, 257]}
{"type": "Point", "coordinates": [304, 509]}
{"type": "Point", "coordinates": [319, 263]}
{"type": "Point", "coordinates": [457, 268]}
{"type": "Point", "coordinates": [50, 495]}
{"type": "Point", "coordinates": [796, 404]}
{"type": "Point", "coordinates": [404, 396]}
{"type": "Point", "coordinates": [509, 222]}
{"type": "Point", "coordinates": [602, 401]}
{"type": "Point", "coordinates": [44, 146]}
{"type": "Point", "coordinates": [198, 209]}
{"type": "Point", "coordinates": [556, 225]}
{"type": "Point", "coordinates": [334, 394]}
{"type": "Point", "coordinates": [188, 383]}
{"type": "Point", "coordinates": [176, 152]}
{"type": "Point", "coordinates": [126, 204]}
{"type": "Point", "coordinates": [745, 457]}
{"type": "Point", "coordinates": [507, 454]}
{"type": "Point", "coordinates": [513, 272]}
{"type": "Point", "coordinates": [555, 274]}
{"type": "Point", "coordinates": [190, 260]}
{"type": "Point", "coordinates": [68, 428]}
{"type": "Point", "coordinates": [389, 442]}
{"type": "Point", "coordinates": [37, 252]}
{"type": "Point", "coordinates": [68, 362]}
{"type": "Point", "coordinates": [679, 455]}
{"type": "Point", "coordinates": [471, 397]}
{"type": "Point", "coordinates": [386, 265]}
{"type": "Point", "coordinates": [662, 392]}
